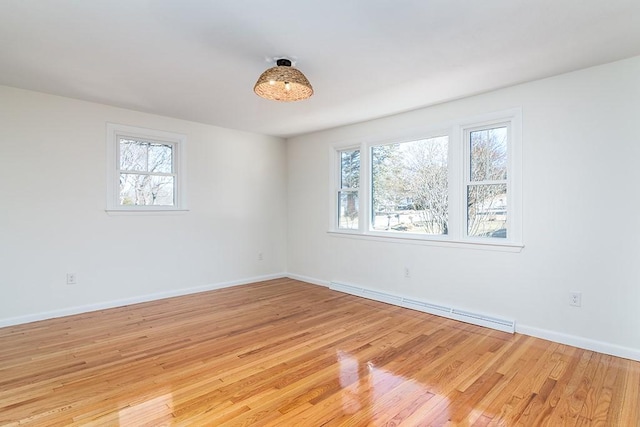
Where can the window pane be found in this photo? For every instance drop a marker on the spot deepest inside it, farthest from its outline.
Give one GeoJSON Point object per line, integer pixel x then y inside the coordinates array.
{"type": "Point", "coordinates": [133, 155]}
{"type": "Point", "coordinates": [410, 186]}
{"type": "Point", "coordinates": [348, 209]}
{"type": "Point", "coordinates": [489, 154]}
{"type": "Point", "coordinates": [487, 210]}
{"type": "Point", "coordinates": [146, 190]}
{"type": "Point", "coordinates": [349, 169]}
{"type": "Point", "coordinates": [160, 158]}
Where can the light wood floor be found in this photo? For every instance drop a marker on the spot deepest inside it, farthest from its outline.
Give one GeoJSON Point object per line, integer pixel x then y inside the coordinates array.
{"type": "Point", "coordinates": [286, 353]}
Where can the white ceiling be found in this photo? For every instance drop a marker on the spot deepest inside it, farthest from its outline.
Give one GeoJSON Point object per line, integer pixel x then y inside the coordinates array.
{"type": "Point", "coordinates": [199, 59]}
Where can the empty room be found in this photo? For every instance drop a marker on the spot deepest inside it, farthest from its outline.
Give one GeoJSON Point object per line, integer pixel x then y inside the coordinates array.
{"type": "Point", "coordinates": [358, 213]}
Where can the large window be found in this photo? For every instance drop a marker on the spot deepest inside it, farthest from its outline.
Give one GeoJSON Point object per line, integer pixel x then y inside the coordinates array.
{"type": "Point", "coordinates": [146, 169]}
{"type": "Point", "coordinates": [444, 186]}
{"type": "Point", "coordinates": [410, 190]}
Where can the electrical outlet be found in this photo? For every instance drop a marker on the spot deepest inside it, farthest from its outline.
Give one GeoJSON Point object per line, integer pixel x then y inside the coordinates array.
{"type": "Point", "coordinates": [407, 273]}
{"type": "Point", "coordinates": [72, 279]}
{"type": "Point", "coordinates": [260, 256]}
{"type": "Point", "coordinates": [575, 299]}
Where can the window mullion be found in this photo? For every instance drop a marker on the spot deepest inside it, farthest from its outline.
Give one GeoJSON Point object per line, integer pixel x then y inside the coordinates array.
{"type": "Point", "coordinates": [364, 197]}
{"type": "Point", "coordinates": [499, 181]}
{"type": "Point", "coordinates": [135, 172]}
{"type": "Point", "coordinates": [456, 183]}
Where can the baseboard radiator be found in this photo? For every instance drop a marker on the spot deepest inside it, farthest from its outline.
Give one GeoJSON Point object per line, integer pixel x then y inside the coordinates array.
{"type": "Point", "coordinates": [505, 325]}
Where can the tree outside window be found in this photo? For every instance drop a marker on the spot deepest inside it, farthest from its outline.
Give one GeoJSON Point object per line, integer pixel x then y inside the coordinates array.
{"type": "Point", "coordinates": [147, 175]}
{"type": "Point", "coordinates": [348, 200]}
{"type": "Point", "coordinates": [410, 190]}
{"type": "Point", "coordinates": [487, 186]}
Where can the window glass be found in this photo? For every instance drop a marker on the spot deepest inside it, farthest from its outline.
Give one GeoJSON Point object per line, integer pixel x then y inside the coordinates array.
{"type": "Point", "coordinates": [410, 186]}
{"type": "Point", "coordinates": [154, 182]}
{"type": "Point", "coordinates": [350, 169]}
{"type": "Point", "coordinates": [146, 190]}
{"type": "Point", "coordinates": [160, 158]}
{"type": "Point", "coordinates": [348, 197]}
{"type": "Point", "coordinates": [487, 210]}
{"type": "Point", "coordinates": [133, 155]}
{"type": "Point", "coordinates": [348, 211]}
{"type": "Point", "coordinates": [487, 188]}
{"type": "Point", "coordinates": [488, 154]}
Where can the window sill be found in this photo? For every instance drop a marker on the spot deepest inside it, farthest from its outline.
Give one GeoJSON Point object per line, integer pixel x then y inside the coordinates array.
{"type": "Point", "coordinates": [492, 245]}
{"type": "Point", "coordinates": [146, 211]}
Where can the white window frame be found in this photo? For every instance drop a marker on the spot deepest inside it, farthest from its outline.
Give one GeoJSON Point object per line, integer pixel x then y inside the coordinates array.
{"type": "Point", "coordinates": [337, 188]}
{"type": "Point", "coordinates": [458, 161]}
{"type": "Point", "coordinates": [178, 141]}
{"type": "Point", "coordinates": [466, 137]}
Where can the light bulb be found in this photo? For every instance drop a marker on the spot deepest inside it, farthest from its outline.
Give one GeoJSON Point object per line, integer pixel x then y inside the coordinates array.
{"type": "Point", "coordinates": [287, 86]}
{"type": "Point", "coordinates": [272, 82]}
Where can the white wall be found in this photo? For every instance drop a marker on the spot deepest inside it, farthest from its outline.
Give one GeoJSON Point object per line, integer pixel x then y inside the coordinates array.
{"type": "Point", "coordinates": [581, 151]}
{"type": "Point", "coordinates": [53, 220]}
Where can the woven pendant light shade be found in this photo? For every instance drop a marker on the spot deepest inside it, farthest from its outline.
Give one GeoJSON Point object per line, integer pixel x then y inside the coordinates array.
{"type": "Point", "coordinates": [283, 83]}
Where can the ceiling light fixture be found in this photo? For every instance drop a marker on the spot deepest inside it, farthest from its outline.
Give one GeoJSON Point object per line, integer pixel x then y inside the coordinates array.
{"type": "Point", "coordinates": [283, 83]}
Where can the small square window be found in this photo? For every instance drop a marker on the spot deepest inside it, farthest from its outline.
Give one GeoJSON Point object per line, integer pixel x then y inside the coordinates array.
{"type": "Point", "coordinates": [146, 169]}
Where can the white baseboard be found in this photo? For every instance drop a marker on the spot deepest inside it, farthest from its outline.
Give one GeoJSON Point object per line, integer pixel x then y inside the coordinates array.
{"type": "Point", "coordinates": [133, 300]}
{"type": "Point", "coordinates": [311, 280]}
{"type": "Point", "coordinates": [580, 342]}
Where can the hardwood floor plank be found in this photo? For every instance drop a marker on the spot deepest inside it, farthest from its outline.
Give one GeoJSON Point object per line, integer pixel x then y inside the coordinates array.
{"type": "Point", "coordinates": [286, 353]}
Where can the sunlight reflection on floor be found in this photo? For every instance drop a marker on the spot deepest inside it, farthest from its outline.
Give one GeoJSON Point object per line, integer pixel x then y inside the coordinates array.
{"type": "Point", "coordinates": [373, 390]}
{"type": "Point", "coordinates": [158, 408]}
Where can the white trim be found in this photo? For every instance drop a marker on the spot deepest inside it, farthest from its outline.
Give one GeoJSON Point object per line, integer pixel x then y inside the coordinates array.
{"type": "Point", "coordinates": [457, 213]}
{"type": "Point", "coordinates": [121, 212]}
{"type": "Point", "coordinates": [333, 203]}
{"type": "Point", "coordinates": [308, 279]}
{"type": "Point", "coordinates": [11, 321]}
{"type": "Point", "coordinates": [581, 342]}
{"type": "Point", "coordinates": [428, 240]}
